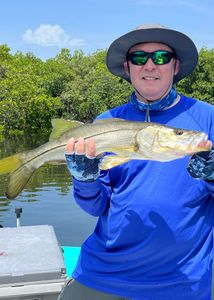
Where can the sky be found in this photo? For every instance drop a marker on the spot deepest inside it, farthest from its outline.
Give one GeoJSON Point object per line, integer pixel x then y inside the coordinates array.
{"type": "Point", "coordinates": [44, 27]}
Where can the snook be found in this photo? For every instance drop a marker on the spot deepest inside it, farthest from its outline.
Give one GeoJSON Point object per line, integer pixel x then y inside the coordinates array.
{"type": "Point", "coordinates": [126, 139]}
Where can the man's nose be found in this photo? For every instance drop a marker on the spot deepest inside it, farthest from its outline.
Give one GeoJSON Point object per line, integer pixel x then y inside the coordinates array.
{"type": "Point", "coordinates": [149, 64]}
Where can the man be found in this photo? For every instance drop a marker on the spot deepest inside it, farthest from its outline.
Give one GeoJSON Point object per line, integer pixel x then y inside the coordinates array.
{"type": "Point", "coordinates": [153, 239]}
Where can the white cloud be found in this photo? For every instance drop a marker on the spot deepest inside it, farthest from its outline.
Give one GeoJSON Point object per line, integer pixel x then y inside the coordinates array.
{"type": "Point", "coordinates": [50, 35]}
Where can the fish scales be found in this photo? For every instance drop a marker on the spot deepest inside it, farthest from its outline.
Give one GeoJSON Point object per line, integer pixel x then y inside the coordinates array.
{"type": "Point", "coordinates": [126, 139]}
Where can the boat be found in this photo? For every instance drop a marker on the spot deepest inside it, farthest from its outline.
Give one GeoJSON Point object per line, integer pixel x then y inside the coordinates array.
{"type": "Point", "coordinates": [34, 266]}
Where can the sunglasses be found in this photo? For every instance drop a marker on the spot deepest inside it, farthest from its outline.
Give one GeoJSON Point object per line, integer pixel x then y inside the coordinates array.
{"type": "Point", "coordinates": [159, 57]}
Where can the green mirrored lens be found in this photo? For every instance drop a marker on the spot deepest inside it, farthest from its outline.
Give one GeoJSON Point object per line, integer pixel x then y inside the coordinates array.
{"type": "Point", "coordinates": [139, 59]}
{"type": "Point", "coordinates": [161, 57]}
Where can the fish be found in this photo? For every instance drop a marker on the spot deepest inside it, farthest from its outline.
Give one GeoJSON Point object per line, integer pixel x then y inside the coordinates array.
{"type": "Point", "coordinates": [122, 140]}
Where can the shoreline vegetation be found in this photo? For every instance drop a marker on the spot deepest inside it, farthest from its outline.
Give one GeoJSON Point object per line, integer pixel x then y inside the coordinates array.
{"type": "Point", "coordinates": [73, 86]}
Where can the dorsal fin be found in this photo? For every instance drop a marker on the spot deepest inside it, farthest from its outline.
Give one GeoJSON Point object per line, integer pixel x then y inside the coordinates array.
{"type": "Point", "coordinates": [60, 126]}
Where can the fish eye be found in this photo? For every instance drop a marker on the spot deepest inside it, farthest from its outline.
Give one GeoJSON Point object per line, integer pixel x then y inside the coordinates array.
{"type": "Point", "coordinates": [178, 131]}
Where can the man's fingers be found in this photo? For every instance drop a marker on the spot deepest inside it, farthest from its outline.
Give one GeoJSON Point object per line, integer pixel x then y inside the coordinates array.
{"type": "Point", "coordinates": [81, 146]}
{"type": "Point", "coordinates": [70, 146]}
{"type": "Point", "coordinates": [77, 146]}
{"type": "Point", "coordinates": [90, 148]}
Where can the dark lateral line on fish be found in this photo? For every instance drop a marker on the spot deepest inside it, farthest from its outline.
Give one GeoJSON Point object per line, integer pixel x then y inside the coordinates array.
{"type": "Point", "coordinates": [63, 145]}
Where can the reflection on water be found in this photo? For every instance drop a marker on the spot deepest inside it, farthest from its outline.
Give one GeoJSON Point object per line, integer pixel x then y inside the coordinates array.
{"type": "Point", "coordinates": [47, 199]}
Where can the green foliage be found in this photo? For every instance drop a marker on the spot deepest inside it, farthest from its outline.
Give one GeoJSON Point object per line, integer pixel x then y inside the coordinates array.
{"type": "Point", "coordinates": [74, 86]}
{"type": "Point", "coordinates": [200, 84]}
{"type": "Point", "coordinates": [93, 88]}
{"type": "Point", "coordinates": [25, 105]}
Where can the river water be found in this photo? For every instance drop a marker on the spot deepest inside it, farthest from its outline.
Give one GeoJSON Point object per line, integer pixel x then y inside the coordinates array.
{"type": "Point", "coordinates": [47, 199]}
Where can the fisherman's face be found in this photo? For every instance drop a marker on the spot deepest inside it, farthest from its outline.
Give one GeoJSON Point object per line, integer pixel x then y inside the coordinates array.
{"type": "Point", "coordinates": [151, 81]}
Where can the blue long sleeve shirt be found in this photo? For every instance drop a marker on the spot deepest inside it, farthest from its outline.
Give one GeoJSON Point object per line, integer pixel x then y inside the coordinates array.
{"type": "Point", "coordinates": [153, 238]}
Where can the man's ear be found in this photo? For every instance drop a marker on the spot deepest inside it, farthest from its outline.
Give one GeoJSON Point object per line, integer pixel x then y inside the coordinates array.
{"type": "Point", "coordinates": [176, 67]}
{"type": "Point", "coordinates": [126, 67]}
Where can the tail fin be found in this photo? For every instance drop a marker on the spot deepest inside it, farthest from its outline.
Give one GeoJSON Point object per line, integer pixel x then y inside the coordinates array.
{"type": "Point", "coordinates": [20, 173]}
{"type": "Point", "coordinates": [10, 164]}
{"type": "Point", "coordinates": [17, 180]}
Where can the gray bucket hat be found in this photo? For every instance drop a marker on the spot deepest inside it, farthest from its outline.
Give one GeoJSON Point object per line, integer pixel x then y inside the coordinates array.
{"type": "Point", "coordinates": [181, 44]}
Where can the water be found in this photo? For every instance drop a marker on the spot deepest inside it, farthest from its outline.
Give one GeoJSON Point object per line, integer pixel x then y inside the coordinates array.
{"type": "Point", "coordinates": [47, 199]}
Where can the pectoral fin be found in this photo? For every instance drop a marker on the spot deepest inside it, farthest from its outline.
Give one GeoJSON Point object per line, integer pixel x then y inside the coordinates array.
{"type": "Point", "coordinates": [111, 161]}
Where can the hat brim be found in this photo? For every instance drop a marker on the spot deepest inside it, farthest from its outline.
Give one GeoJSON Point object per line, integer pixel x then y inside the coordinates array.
{"type": "Point", "coordinates": [182, 45]}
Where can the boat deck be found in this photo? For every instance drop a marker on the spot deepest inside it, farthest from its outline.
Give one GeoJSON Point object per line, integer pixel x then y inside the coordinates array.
{"type": "Point", "coordinates": [71, 255]}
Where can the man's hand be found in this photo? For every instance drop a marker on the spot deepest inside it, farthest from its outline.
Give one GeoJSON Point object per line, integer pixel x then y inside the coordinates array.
{"type": "Point", "coordinates": [81, 159]}
{"type": "Point", "coordinates": [201, 165]}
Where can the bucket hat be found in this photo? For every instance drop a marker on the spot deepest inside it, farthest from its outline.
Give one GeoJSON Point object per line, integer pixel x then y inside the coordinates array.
{"type": "Point", "coordinates": [180, 43]}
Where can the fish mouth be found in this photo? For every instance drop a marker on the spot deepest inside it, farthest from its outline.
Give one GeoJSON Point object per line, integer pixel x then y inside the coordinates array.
{"type": "Point", "coordinates": [203, 145]}
{"type": "Point", "coordinates": [198, 145]}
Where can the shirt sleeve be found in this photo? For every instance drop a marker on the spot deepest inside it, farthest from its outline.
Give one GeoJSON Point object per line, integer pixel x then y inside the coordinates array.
{"type": "Point", "coordinates": [93, 197]}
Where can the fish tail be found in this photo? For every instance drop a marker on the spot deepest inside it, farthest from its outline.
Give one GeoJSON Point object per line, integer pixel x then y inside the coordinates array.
{"type": "Point", "coordinates": [18, 179]}
{"type": "Point", "coordinates": [20, 173]}
{"type": "Point", "coordinates": [10, 164]}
